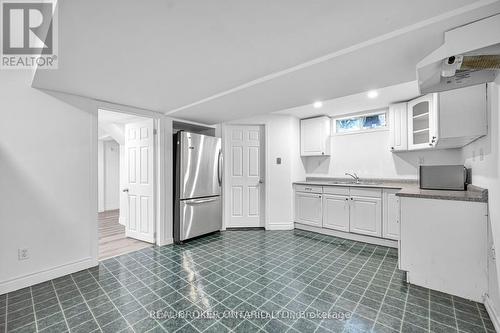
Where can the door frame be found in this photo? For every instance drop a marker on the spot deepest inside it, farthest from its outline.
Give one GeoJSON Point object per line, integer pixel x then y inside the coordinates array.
{"type": "Point", "coordinates": [226, 186]}
{"type": "Point", "coordinates": [162, 184]}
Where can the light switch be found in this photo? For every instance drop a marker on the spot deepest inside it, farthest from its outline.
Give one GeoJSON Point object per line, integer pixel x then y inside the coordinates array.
{"type": "Point", "coordinates": [278, 160]}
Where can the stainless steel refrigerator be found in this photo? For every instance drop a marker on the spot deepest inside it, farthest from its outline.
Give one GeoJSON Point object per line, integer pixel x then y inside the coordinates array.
{"type": "Point", "coordinates": [197, 185]}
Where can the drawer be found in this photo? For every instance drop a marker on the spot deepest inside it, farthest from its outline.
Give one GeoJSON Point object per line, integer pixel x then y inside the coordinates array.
{"type": "Point", "coordinates": [339, 190]}
{"type": "Point", "coordinates": [366, 192]}
{"type": "Point", "coordinates": [309, 188]}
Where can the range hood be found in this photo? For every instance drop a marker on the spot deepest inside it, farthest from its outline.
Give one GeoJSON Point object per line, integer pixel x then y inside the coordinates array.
{"type": "Point", "coordinates": [470, 55]}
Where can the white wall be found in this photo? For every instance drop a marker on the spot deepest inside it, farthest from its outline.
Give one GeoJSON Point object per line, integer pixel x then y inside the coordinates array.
{"type": "Point", "coordinates": [100, 176]}
{"type": "Point", "coordinates": [46, 184]}
{"type": "Point", "coordinates": [369, 156]}
{"type": "Point", "coordinates": [282, 141]}
{"type": "Point", "coordinates": [111, 176]}
{"type": "Point", "coordinates": [484, 159]}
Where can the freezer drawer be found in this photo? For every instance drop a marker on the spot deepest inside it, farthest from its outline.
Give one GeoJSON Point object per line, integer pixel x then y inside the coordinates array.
{"type": "Point", "coordinates": [198, 217]}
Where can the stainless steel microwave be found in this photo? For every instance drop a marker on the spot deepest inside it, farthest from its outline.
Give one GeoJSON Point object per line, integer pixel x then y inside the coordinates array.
{"type": "Point", "coordinates": [443, 177]}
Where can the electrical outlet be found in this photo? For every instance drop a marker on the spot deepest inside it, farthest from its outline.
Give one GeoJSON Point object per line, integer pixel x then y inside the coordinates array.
{"type": "Point", "coordinates": [23, 254]}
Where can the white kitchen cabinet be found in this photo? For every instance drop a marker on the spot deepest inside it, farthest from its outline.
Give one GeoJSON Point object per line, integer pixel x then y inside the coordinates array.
{"type": "Point", "coordinates": [423, 122]}
{"type": "Point", "coordinates": [336, 212]}
{"type": "Point", "coordinates": [366, 215]}
{"type": "Point", "coordinates": [398, 127]}
{"type": "Point", "coordinates": [390, 214]}
{"type": "Point", "coordinates": [308, 208]}
{"type": "Point", "coordinates": [462, 116]}
{"type": "Point", "coordinates": [444, 245]}
{"type": "Point", "coordinates": [315, 136]}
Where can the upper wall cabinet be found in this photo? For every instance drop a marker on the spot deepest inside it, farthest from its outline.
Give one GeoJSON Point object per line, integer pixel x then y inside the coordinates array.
{"type": "Point", "coordinates": [462, 116]}
{"type": "Point", "coordinates": [398, 126]}
{"type": "Point", "coordinates": [449, 119]}
{"type": "Point", "coordinates": [422, 122]}
{"type": "Point", "coordinates": [315, 136]}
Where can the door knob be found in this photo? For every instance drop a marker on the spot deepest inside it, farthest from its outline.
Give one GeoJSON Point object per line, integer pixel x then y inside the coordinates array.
{"type": "Point", "coordinates": [261, 181]}
{"type": "Point", "coordinates": [125, 190]}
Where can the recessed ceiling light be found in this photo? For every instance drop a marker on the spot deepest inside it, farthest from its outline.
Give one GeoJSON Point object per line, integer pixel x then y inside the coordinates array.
{"type": "Point", "coordinates": [318, 104]}
{"type": "Point", "coordinates": [372, 94]}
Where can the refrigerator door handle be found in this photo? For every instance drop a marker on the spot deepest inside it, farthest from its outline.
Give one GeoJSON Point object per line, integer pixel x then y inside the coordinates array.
{"type": "Point", "coordinates": [200, 201]}
{"type": "Point", "coordinates": [219, 168]}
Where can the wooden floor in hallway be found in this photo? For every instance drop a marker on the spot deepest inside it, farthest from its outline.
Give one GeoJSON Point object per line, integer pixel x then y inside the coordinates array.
{"type": "Point", "coordinates": [112, 239]}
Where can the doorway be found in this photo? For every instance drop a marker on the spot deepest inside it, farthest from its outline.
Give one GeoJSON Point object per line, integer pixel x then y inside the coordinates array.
{"type": "Point", "coordinates": [126, 179]}
{"type": "Point", "coordinates": [245, 176]}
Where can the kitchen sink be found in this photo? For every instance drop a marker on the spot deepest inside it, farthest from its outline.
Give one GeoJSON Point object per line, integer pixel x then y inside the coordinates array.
{"type": "Point", "coordinates": [348, 182]}
{"type": "Point", "coordinates": [342, 182]}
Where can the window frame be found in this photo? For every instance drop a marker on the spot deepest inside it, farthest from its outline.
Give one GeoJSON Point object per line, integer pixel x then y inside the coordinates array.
{"type": "Point", "coordinates": [361, 115]}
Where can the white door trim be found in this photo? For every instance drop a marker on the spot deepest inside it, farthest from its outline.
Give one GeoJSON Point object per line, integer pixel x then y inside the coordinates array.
{"type": "Point", "coordinates": [162, 172]}
{"type": "Point", "coordinates": [226, 203]}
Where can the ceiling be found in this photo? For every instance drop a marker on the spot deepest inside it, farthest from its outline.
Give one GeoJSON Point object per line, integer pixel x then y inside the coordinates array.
{"type": "Point", "coordinates": [111, 117]}
{"type": "Point", "coordinates": [357, 102]}
{"type": "Point", "coordinates": [229, 59]}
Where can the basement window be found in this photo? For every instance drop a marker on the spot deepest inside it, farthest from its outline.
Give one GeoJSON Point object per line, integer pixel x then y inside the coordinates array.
{"type": "Point", "coordinates": [360, 123]}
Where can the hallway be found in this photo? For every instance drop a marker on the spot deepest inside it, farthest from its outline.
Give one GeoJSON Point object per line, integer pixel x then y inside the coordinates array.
{"type": "Point", "coordinates": [112, 239]}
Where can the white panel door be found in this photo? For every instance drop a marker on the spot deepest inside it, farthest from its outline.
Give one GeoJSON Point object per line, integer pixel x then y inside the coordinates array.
{"type": "Point", "coordinates": [366, 216]}
{"type": "Point", "coordinates": [336, 212]}
{"type": "Point", "coordinates": [139, 162]}
{"type": "Point", "coordinates": [246, 176]}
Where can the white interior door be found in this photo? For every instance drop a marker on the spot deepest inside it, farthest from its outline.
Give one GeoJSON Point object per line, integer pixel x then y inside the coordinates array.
{"type": "Point", "coordinates": [139, 161]}
{"type": "Point", "coordinates": [245, 152]}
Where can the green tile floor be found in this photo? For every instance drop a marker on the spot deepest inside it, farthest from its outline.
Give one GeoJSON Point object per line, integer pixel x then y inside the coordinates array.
{"type": "Point", "coordinates": [259, 274]}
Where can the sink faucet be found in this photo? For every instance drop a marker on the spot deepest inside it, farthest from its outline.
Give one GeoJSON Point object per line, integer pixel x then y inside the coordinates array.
{"type": "Point", "coordinates": [354, 176]}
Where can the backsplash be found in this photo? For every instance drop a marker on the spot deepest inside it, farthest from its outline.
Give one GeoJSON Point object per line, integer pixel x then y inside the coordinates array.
{"type": "Point", "coordinates": [368, 155]}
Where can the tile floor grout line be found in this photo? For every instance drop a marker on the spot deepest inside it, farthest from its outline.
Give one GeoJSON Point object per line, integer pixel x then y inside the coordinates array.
{"type": "Point", "coordinates": [6, 311]}
{"type": "Point", "coordinates": [60, 305]}
{"type": "Point", "coordinates": [156, 294]}
{"type": "Point", "coordinates": [309, 284]}
{"type": "Point", "coordinates": [373, 277]}
{"type": "Point", "coordinates": [482, 320]}
{"type": "Point", "coordinates": [404, 307]}
{"type": "Point", "coordinates": [253, 293]}
{"type": "Point", "coordinates": [111, 301]}
{"type": "Point", "coordinates": [321, 257]}
{"type": "Point", "coordinates": [385, 294]}
{"type": "Point", "coordinates": [340, 272]}
{"type": "Point", "coordinates": [454, 312]}
{"type": "Point", "coordinates": [327, 284]}
{"type": "Point", "coordinates": [135, 298]}
{"type": "Point", "coordinates": [88, 307]}
{"type": "Point", "coordinates": [33, 305]}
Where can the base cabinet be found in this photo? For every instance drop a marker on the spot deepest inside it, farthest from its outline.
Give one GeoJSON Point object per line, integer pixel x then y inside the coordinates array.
{"type": "Point", "coordinates": [308, 208]}
{"type": "Point", "coordinates": [444, 245]}
{"type": "Point", "coordinates": [366, 216]}
{"type": "Point", "coordinates": [336, 212]}
{"type": "Point", "coordinates": [363, 211]}
{"type": "Point", "coordinates": [390, 216]}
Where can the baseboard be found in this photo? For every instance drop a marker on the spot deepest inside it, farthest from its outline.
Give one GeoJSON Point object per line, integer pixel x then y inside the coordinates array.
{"type": "Point", "coordinates": [490, 308]}
{"type": "Point", "coordinates": [46, 275]}
{"type": "Point", "coordinates": [348, 235]}
{"type": "Point", "coordinates": [280, 226]}
{"type": "Point", "coordinates": [121, 220]}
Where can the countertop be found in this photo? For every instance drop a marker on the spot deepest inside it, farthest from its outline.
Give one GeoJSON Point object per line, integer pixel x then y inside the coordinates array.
{"type": "Point", "coordinates": [408, 188]}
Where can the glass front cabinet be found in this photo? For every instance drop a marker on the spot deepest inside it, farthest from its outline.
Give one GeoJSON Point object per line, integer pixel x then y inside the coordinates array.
{"type": "Point", "coordinates": [423, 122]}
